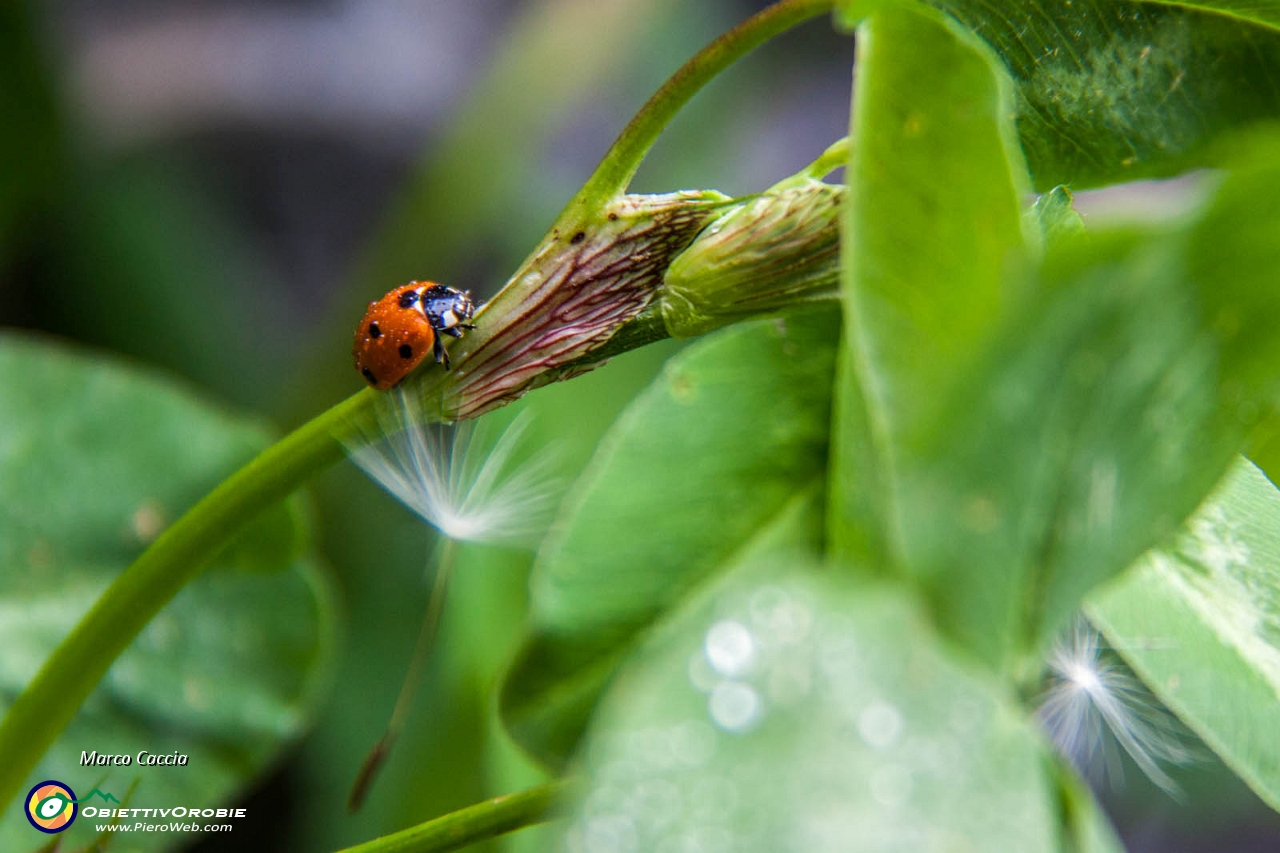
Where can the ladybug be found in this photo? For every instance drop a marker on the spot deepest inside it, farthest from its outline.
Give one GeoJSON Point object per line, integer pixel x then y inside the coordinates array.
{"type": "Point", "coordinates": [400, 328]}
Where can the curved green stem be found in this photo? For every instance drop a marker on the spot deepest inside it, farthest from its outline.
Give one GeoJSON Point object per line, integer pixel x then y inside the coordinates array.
{"type": "Point", "coordinates": [619, 165]}
{"type": "Point", "coordinates": [472, 824]}
{"type": "Point", "coordinates": [67, 677]}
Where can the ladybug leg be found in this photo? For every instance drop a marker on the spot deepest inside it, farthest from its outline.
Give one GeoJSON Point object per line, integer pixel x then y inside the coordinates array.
{"type": "Point", "coordinates": [453, 331]}
{"type": "Point", "coordinates": [441, 354]}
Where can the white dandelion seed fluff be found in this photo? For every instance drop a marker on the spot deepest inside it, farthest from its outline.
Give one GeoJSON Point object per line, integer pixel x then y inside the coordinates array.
{"type": "Point", "coordinates": [1094, 702]}
{"type": "Point", "coordinates": [445, 474]}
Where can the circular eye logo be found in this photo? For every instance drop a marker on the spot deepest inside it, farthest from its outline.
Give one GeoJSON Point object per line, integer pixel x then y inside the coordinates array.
{"type": "Point", "coordinates": [51, 806]}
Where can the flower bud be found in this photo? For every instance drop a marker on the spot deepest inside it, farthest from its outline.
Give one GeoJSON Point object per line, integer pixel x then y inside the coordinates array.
{"type": "Point", "coordinates": [761, 254]}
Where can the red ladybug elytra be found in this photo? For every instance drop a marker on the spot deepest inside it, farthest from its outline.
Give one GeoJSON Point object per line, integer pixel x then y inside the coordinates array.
{"type": "Point", "coordinates": [400, 329]}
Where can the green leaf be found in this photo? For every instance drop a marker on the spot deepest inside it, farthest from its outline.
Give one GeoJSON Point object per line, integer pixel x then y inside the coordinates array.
{"type": "Point", "coordinates": [1115, 91]}
{"type": "Point", "coordinates": [95, 459]}
{"type": "Point", "coordinates": [931, 256]}
{"type": "Point", "coordinates": [1071, 452]}
{"type": "Point", "coordinates": [1069, 432]}
{"type": "Point", "coordinates": [1233, 259]}
{"type": "Point", "coordinates": [790, 708]}
{"type": "Point", "coordinates": [1107, 411]}
{"type": "Point", "coordinates": [732, 430]}
{"type": "Point", "coordinates": [932, 232]}
{"type": "Point", "coordinates": [1199, 622]}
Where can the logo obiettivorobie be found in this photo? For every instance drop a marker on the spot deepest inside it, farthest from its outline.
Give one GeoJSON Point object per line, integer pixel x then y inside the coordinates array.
{"type": "Point", "coordinates": [51, 806]}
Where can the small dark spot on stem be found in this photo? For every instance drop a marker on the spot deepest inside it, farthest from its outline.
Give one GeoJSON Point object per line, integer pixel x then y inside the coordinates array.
{"type": "Point", "coordinates": [406, 351]}
{"type": "Point", "coordinates": [613, 217]}
{"type": "Point", "coordinates": [579, 237]}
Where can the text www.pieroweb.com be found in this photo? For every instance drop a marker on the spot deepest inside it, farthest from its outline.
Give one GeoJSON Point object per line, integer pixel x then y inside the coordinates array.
{"type": "Point", "coordinates": [118, 822]}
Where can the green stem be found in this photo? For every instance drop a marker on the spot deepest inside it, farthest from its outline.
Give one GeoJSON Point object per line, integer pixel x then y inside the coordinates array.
{"type": "Point", "coordinates": [70, 673]}
{"type": "Point", "coordinates": [472, 824]}
{"type": "Point", "coordinates": [623, 159]}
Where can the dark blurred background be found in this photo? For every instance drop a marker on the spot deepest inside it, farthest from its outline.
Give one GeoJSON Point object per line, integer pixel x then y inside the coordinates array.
{"type": "Point", "coordinates": [217, 187]}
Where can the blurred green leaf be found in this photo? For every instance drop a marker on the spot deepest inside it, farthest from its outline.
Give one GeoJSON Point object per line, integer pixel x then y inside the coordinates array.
{"type": "Point", "coordinates": [95, 459]}
{"type": "Point", "coordinates": [1233, 260]}
{"type": "Point", "coordinates": [1115, 91]}
{"type": "Point", "coordinates": [933, 245]}
{"type": "Point", "coordinates": [735, 426]}
{"type": "Point", "coordinates": [795, 708]}
{"type": "Point", "coordinates": [1199, 621]}
{"type": "Point", "coordinates": [1027, 452]}
{"type": "Point", "coordinates": [1093, 430]}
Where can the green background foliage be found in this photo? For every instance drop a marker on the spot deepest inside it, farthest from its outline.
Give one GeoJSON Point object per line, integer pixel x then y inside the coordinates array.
{"type": "Point", "coordinates": [95, 459]}
{"type": "Point", "coordinates": [803, 582]}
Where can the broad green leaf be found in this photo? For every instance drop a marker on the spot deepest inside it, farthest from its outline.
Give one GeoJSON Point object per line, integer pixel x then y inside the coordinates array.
{"type": "Point", "coordinates": [932, 254]}
{"type": "Point", "coordinates": [1093, 430]}
{"type": "Point", "coordinates": [732, 430]}
{"type": "Point", "coordinates": [1199, 622]}
{"type": "Point", "coordinates": [95, 459]}
{"type": "Point", "coordinates": [932, 234]}
{"type": "Point", "coordinates": [1080, 427]}
{"type": "Point", "coordinates": [1234, 263]}
{"type": "Point", "coordinates": [1107, 411]}
{"type": "Point", "coordinates": [1115, 91]}
{"type": "Point", "coordinates": [795, 708]}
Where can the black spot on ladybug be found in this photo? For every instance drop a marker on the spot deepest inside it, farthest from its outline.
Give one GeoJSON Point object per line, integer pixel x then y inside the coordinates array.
{"type": "Point", "coordinates": [368, 374]}
{"type": "Point", "coordinates": [408, 298]}
{"type": "Point", "coordinates": [406, 351]}
{"type": "Point", "coordinates": [578, 238]}
{"type": "Point", "coordinates": [374, 331]}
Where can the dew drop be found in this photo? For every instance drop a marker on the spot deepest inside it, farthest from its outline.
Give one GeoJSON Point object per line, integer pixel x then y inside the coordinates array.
{"type": "Point", "coordinates": [730, 648]}
{"type": "Point", "coordinates": [785, 620]}
{"type": "Point", "coordinates": [880, 725]}
{"type": "Point", "coordinates": [734, 707]}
